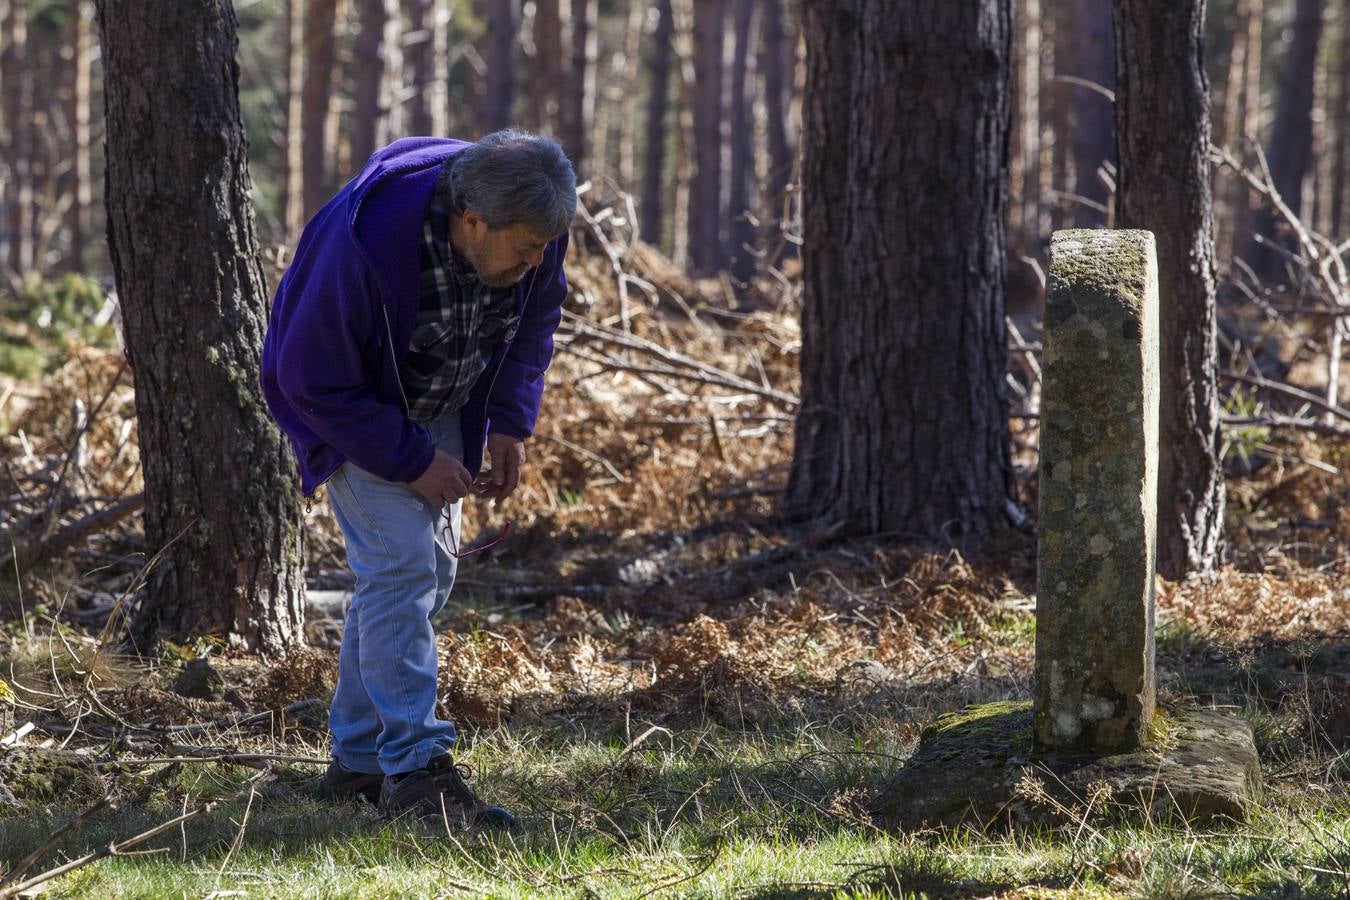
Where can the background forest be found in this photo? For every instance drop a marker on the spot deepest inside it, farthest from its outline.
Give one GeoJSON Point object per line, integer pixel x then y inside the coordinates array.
{"type": "Point", "coordinates": [706, 644]}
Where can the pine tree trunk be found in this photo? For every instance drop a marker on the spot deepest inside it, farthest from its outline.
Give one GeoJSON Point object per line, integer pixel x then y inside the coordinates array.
{"type": "Point", "coordinates": [628, 100]}
{"type": "Point", "coordinates": [16, 87]}
{"type": "Point", "coordinates": [705, 196]}
{"type": "Point", "coordinates": [1165, 188]}
{"type": "Point", "coordinates": [1024, 157]}
{"type": "Point", "coordinates": [1092, 138]}
{"type": "Point", "coordinates": [549, 76]}
{"type": "Point", "coordinates": [1244, 201]}
{"type": "Point", "coordinates": [777, 95]}
{"type": "Point", "coordinates": [740, 231]}
{"type": "Point", "coordinates": [221, 494]}
{"type": "Point", "coordinates": [500, 79]}
{"type": "Point", "coordinates": [1228, 193]}
{"type": "Point", "coordinates": [292, 155]}
{"type": "Point", "coordinates": [1289, 152]}
{"type": "Point", "coordinates": [579, 100]}
{"type": "Point", "coordinates": [440, 67]}
{"type": "Point", "coordinates": [321, 18]}
{"type": "Point", "coordinates": [658, 104]}
{"type": "Point", "coordinates": [419, 62]}
{"type": "Point", "coordinates": [368, 62]}
{"type": "Point", "coordinates": [81, 194]}
{"type": "Point", "coordinates": [903, 424]}
{"type": "Point", "coordinates": [1340, 126]}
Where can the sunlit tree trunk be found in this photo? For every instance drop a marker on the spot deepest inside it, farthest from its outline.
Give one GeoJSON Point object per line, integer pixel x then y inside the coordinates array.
{"type": "Point", "coordinates": [1289, 150]}
{"type": "Point", "coordinates": [1024, 157]}
{"type": "Point", "coordinates": [903, 420]}
{"type": "Point", "coordinates": [1340, 203]}
{"type": "Point", "coordinates": [81, 174]}
{"type": "Point", "coordinates": [1165, 188]}
{"type": "Point", "coordinates": [292, 155]}
{"type": "Point", "coordinates": [16, 88]}
{"type": "Point", "coordinates": [320, 40]}
{"type": "Point", "coordinates": [419, 62]}
{"type": "Point", "coordinates": [578, 106]}
{"type": "Point", "coordinates": [221, 500]}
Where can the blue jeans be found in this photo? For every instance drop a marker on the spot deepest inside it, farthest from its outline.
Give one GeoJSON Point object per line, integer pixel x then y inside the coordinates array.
{"type": "Point", "coordinates": [383, 716]}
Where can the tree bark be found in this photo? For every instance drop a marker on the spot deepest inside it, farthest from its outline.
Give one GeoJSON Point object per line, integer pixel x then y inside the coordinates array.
{"type": "Point", "coordinates": [658, 105]}
{"type": "Point", "coordinates": [16, 87]}
{"type": "Point", "coordinates": [321, 18]}
{"type": "Point", "coordinates": [705, 196]}
{"type": "Point", "coordinates": [1289, 152]}
{"type": "Point", "coordinates": [81, 194]}
{"type": "Point", "coordinates": [776, 67]}
{"type": "Point", "coordinates": [549, 76]}
{"type": "Point", "coordinates": [579, 102]}
{"type": "Point", "coordinates": [368, 71]}
{"type": "Point", "coordinates": [1165, 188]}
{"type": "Point", "coordinates": [1092, 140]}
{"type": "Point", "coordinates": [494, 111]}
{"type": "Point", "coordinates": [628, 101]}
{"type": "Point", "coordinates": [1024, 157]}
{"type": "Point", "coordinates": [221, 498]}
{"type": "Point", "coordinates": [1340, 178]}
{"type": "Point", "coordinates": [903, 421]}
{"type": "Point", "coordinates": [440, 67]}
{"type": "Point", "coordinates": [740, 230]}
{"type": "Point", "coordinates": [292, 154]}
{"type": "Point", "coordinates": [420, 64]}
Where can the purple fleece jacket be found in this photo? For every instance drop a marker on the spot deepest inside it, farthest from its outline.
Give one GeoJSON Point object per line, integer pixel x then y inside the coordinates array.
{"type": "Point", "coordinates": [344, 313]}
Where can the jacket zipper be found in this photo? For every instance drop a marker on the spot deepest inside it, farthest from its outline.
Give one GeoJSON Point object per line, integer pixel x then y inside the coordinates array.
{"type": "Point", "coordinates": [309, 498]}
{"type": "Point", "coordinates": [529, 292]}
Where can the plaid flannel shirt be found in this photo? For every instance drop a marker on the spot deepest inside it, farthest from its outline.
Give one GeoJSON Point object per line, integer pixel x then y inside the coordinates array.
{"type": "Point", "coordinates": [460, 321]}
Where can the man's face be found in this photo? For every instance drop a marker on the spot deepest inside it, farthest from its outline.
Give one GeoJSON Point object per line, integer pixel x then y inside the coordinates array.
{"type": "Point", "coordinates": [501, 256]}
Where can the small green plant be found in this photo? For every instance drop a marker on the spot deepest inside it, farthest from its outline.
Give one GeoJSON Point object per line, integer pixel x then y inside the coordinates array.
{"type": "Point", "coordinates": [40, 321]}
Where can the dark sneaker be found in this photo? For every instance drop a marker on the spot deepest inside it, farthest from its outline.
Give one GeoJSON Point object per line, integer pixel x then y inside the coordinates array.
{"type": "Point", "coordinates": [341, 783]}
{"type": "Point", "coordinates": [440, 787]}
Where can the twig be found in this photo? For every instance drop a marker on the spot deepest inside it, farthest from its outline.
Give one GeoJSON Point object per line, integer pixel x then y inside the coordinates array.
{"type": "Point", "coordinates": [673, 358]}
{"type": "Point", "coordinates": [119, 848]}
{"type": "Point", "coordinates": [589, 454]}
{"type": "Point", "coordinates": [212, 754]}
{"type": "Point", "coordinates": [237, 720]}
{"type": "Point", "coordinates": [79, 819]}
{"type": "Point", "coordinates": [1289, 391]}
{"type": "Point", "coordinates": [715, 380]}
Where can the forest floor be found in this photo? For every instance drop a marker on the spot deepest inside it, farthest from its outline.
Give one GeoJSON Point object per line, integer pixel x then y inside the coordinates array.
{"type": "Point", "coordinates": [676, 692]}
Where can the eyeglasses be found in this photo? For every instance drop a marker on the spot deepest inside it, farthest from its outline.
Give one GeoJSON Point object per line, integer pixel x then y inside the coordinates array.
{"type": "Point", "coordinates": [454, 545]}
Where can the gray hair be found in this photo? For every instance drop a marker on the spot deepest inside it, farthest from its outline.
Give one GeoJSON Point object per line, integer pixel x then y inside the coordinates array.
{"type": "Point", "coordinates": [512, 177]}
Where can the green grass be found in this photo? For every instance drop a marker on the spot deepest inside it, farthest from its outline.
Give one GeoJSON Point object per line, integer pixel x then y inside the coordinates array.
{"type": "Point", "coordinates": [704, 810]}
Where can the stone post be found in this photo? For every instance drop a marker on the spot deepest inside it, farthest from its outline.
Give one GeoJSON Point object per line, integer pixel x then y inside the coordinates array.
{"type": "Point", "coordinates": [1095, 683]}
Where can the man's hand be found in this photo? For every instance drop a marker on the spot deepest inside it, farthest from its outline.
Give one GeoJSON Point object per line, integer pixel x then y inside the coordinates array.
{"type": "Point", "coordinates": [508, 459]}
{"type": "Point", "coordinates": [445, 480]}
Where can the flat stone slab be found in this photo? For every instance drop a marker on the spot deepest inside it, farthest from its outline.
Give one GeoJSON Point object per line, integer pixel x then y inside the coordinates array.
{"type": "Point", "coordinates": [977, 767]}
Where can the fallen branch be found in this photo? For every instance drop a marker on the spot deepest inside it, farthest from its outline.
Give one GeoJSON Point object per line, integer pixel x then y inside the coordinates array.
{"type": "Point", "coordinates": [715, 380]}
{"type": "Point", "coordinates": [236, 721]}
{"type": "Point", "coordinates": [214, 755]}
{"type": "Point", "coordinates": [50, 542]}
{"type": "Point", "coordinates": [1289, 422]}
{"type": "Point", "coordinates": [1287, 390]}
{"type": "Point", "coordinates": [672, 358]}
